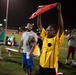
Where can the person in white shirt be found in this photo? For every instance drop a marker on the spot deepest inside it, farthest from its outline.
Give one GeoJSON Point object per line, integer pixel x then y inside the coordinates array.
{"type": "Point", "coordinates": [28, 42]}
{"type": "Point", "coordinates": [71, 46]}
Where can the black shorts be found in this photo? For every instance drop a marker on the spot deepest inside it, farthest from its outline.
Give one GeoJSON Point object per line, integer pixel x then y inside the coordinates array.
{"type": "Point", "coordinates": [47, 71]}
{"type": "Point", "coordinates": [1, 40]}
{"type": "Point", "coordinates": [71, 49]}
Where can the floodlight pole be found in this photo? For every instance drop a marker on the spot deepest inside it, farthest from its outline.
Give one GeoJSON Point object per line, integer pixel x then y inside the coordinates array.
{"type": "Point", "coordinates": [6, 16]}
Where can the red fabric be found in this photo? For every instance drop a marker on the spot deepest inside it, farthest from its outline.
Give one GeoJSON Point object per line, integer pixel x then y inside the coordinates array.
{"type": "Point", "coordinates": [42, 10]}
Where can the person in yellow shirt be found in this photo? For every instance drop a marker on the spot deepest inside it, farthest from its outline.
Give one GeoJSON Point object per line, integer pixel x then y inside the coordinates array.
{"type": "Point", "coordinates": [52, 37]}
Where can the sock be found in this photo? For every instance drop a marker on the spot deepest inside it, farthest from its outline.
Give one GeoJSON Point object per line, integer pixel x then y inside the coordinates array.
{"type": "Point", "coordinates": [66, 61]}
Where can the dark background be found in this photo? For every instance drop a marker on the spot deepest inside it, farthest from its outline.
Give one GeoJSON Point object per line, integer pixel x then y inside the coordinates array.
{"type": "Point", "coordinates": [20, 11]}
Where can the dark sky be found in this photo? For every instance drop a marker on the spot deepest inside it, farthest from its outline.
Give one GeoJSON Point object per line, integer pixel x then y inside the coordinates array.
{"type": "Point", "coordinates": [20, 11]}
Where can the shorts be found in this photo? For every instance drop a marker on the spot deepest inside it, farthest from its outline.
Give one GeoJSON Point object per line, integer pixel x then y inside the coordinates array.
{"type": "Point", "coordinates": [75, 49]}
{"type": "Point", "coordinates": [28, 63]}
{"type": "Point", "coordinates": [71, 49]}
{"type": "Point", "coordinates": [1, 40]}
{"type": "Point", "coordinates": [47, 71]}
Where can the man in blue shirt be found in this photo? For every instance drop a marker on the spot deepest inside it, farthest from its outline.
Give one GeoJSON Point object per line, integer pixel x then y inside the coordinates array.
{"type": "Point", "coordinates": [2, 34]}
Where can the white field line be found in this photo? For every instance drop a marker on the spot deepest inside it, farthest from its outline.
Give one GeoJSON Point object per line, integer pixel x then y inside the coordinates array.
{"type": "Point", "coordinates": [62, 48]}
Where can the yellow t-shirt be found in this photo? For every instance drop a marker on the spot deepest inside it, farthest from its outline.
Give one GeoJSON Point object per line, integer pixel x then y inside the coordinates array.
{"type": "Point", "coordinates": [43, 33]}
{"type": "Point", "coordinates": [36, 51]}
{"type": "Point", "coordinates": [50, 51]}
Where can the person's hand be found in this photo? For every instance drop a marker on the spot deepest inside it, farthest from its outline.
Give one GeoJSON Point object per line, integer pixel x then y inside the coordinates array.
{"type": "Point", "coordinates": [19, 51]}
{"type": "Point", "coordinates": [30, 54]}
{"type": "Point", "coordinates": [31, 40]}
{"type": "Point", "coordinates": [58, 6]}
{"type": "Point", "coordinates": [40, 6]}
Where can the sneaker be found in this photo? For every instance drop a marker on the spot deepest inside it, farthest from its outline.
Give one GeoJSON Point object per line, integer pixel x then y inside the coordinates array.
{"type": "Point", "coordinates": [66, 63]}
{"type": "Point", "coordinates": [22, 66]}
{"type": "Point", "coordinates": [72, 64]}
{"type": "Point", "coordinates": [26, 74]}
{"type": "Point", "coordinates": [60, 73]}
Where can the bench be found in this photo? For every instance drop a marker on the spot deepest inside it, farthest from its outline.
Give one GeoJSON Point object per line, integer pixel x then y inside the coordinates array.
{"type": "Point", "coordinates": [9, 50]}
{"type": "Point", "coordinates": [2, 43]}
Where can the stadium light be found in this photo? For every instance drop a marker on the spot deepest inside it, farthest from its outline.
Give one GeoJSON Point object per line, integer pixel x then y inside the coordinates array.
{"type": "Point", "coordinates": [4, 20]}
{"type": "Point", "coordinates": [0, 24]}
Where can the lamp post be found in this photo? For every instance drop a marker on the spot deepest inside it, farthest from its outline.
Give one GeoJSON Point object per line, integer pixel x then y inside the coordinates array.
{"type": "Point", "coordinates": [5, 23]}
{"type": "Point", "coordinates": [6, 16]}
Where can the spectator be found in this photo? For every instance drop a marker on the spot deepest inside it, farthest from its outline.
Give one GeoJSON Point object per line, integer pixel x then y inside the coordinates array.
{"type": "Point", "coordinates": [28, 41]}
{"type": "Point", "coordinates": [2, 36]}
{"type": "Point", "coordinates": [71, 46]}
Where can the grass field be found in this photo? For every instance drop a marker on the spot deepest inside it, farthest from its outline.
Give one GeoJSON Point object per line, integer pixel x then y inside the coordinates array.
{"type": "Point", "coordinates": [12, 65]}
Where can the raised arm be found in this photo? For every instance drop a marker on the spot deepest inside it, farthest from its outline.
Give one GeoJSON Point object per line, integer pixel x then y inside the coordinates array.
{"type": "Point", "coordinates": [60, 18]}
{"type": "Point", "coordinates": [39, 22]}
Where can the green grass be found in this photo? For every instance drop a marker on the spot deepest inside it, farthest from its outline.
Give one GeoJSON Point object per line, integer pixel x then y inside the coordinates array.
{"type": "Point", "coordinates": [12, 65]}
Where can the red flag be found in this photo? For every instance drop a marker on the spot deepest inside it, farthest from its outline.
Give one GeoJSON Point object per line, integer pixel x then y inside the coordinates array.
{"type": "Point", "coordinates": [42, 10]}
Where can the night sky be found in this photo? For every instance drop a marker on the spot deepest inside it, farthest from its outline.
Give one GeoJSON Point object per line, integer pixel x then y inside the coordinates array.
{"type": "Point", "coordinates": [20, 11]}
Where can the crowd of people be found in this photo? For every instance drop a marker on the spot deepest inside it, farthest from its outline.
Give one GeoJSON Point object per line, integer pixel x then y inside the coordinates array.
{"type": "Point", "coordinates": [52, 39]}
{"type": "Point", "coordinates": [49, 41]}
